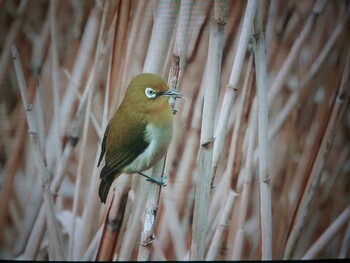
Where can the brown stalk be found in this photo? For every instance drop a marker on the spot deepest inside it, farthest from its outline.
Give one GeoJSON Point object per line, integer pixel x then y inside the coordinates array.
{"type": "Point", "coordinates": [331, 123]}
{"type": "Point", "coordinates": [113, 221]}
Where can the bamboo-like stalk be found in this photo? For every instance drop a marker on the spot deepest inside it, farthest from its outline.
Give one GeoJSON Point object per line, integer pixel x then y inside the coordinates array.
{"type": "Point", "coordinates": [114, 220]}
{"type": "Point", "coordinates": [133, 224]}
{"type": "Point", "coordinates": [54, 235]}
{"type": "Point", "coordinates": [36, 199]}
{"type": "Point", "coordinates": [224, 223]}
{"type": "Point", "coordinates": [199, 228]}
{"type": "Point", "coordinates": [161, 34]}
{"type": "Point", "coordinates": [121, 18]}
{"type": "Point", "coordinates": [264, 176]}
{"type": "Point", "coordinates": [243, 201]}
{"type": "Point", "coordinates": [138, 37]}
{"type": "Point", "coordinates": [36, 236]}
{"type": "Point", "coordinates": [229, 178]}
{"type": "Point", "coordinates": [56, 83]}
{"type": "Point", "coordinates": [175, 228]}
{"type": "Point", "coordinates": [338, 108]}
{"type": "Point", "coordinates": [231, 87]}
{"type": "Point", "coordinates": [330, 232]}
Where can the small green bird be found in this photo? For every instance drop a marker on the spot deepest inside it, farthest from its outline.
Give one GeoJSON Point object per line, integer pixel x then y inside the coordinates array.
{"type": "Point", "coordinates": [139, 133]}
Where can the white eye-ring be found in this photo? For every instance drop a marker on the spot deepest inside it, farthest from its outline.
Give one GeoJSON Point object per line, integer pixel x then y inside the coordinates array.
{"type": "Point", "coordinates": [150, 93]}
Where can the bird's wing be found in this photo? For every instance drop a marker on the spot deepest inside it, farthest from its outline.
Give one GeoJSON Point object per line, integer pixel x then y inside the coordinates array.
{"type": "Point", "coordinates": [103, 147]}
{"type": "Point", "coordinates": [118, 157]}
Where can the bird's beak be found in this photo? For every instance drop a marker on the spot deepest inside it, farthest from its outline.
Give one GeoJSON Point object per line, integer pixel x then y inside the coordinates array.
{"type": "Point", "coordinates": [172, 93]}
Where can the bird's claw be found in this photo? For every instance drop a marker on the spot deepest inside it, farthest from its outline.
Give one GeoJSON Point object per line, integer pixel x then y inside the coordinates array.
{"type": "Point", "coordinates": [156, 181]}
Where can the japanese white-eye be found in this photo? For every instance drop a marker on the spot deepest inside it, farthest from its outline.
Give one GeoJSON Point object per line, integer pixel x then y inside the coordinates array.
{"type": "Point", "coordinates": [139, 133]}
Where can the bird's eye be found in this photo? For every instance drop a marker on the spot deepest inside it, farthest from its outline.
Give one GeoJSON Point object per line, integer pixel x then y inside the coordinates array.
{"type": "Point", "coordinates": [150, 93]}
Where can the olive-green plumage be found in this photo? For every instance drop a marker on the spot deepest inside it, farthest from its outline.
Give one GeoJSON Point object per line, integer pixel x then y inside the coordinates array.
{"type": "Point", "coordinates": [139, 133]}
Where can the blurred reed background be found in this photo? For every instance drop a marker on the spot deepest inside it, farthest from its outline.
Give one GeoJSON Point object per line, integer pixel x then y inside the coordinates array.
{"type": "Point", "coordinates": [259, 164]}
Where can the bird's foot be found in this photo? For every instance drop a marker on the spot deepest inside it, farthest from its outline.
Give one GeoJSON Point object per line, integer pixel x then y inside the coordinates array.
{"type": "Point", "coordinates": [157, 181]}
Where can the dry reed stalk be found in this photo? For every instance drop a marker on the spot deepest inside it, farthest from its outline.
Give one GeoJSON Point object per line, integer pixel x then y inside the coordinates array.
{"type": "Point", "coordinates": [327, 235]}
{"type": "Point", "coordinates": [121, 19]}
{"type": "Point", "coordinates": [138, 37]}
{"type": "Point", "coordinates": [182, 36]}
{"type": "Point", "coordinates": [211, 86]}
{"type": "Point", "coordinates": [264, 176]}
{"type": "Point", "coordinates": [35, 237]}
{"type": "Point", "coordinates": [303, 212]}
{"type": "Point", "coordinates": [243, 113]}
{"type": "Point", "coordinates": [55, 83]}
{"type": "Point", "coordinates": [191, 113]}
{"type": "Point", "coordinates": [133, 224]}
{"type": "Point", "coordinates": [244, 196]}
{"type": "Point", "coordinates": [224, 183]}
{"type": "Point", "coordinates": [113, 221]}
{"type": "Point", "coordinates": [55, 242]}
{"type": "Point", "coordinates": [221, 228]}
{"type": "Point", "coordinates": [163, 27]}
{"type": "Point", "coordinates": [176, 230]}
{"type": "Point", "coordinates": [231, 87]}
{"type": "Point", "coordinates": [233, 163]}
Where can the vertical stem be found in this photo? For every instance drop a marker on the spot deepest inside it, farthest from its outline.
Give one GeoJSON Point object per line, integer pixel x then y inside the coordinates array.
{"type": "Point", "coordinates": [244, 196]}
{"type": "Point", "coordinates": [56, 252]}
{"type": "Point", "coordinates": [233, 82]}
{"type": "Point", "coordinates": [199, 228]}
{"type": "Point", "coordinates": [264, 178]}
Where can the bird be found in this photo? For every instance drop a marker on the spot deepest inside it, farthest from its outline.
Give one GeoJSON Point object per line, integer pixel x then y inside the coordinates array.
{"type": "Point", "coordinates": [139, 133]}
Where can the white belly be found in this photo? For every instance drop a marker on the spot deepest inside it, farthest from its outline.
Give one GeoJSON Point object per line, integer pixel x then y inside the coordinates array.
{"type": "Point", "coordinates": [159, 139]}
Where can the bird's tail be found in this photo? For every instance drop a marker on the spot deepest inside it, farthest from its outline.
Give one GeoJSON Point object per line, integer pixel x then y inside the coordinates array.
{"type": "Point", "coordinates": [105, 185]}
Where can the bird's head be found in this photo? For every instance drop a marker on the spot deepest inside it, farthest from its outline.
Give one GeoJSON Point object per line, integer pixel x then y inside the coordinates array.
{"type": "Point", "coordinates": [149, 91]}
